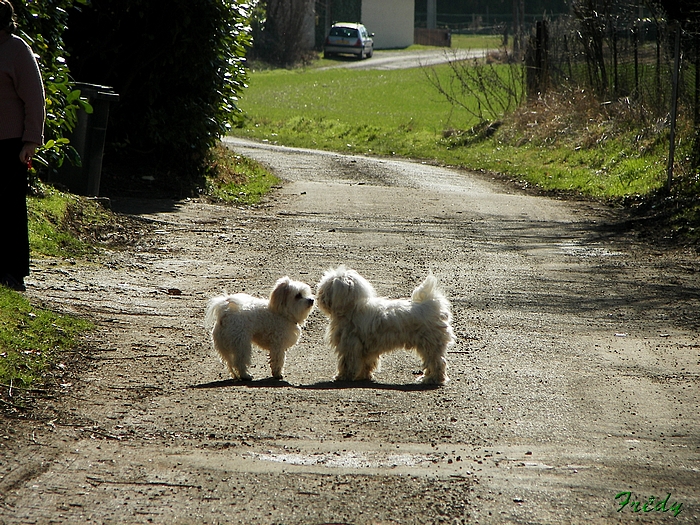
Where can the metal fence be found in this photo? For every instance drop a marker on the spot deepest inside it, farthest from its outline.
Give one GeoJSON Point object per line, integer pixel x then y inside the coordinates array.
{"type": "Point", "coordinates": [629, 53]}
{"type": "Point", "coordinates": [617, 58]}
{"type": "Point", "coordinates": [475, 23]}
{"type": "Point", "coordinates": [652, 64]}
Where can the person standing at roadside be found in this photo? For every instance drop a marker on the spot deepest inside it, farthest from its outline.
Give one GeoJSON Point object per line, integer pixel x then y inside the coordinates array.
{"type": "Point", "coordinates": [22, 114]}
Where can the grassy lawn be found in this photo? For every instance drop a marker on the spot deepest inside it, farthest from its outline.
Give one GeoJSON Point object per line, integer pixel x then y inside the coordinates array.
{"type": "Point", "coordinates": [32, 340]}
{"type": "Point", "coordinates": [362, 112]}
{"type": "Point", "coordinates": [401, 113]}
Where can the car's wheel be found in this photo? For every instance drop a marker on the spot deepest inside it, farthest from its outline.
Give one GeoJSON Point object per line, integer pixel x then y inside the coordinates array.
{"type": "Point", "coordinates": [326, 54]}
{"type": "Point", "coordinates": [362, 54]}
{"type": "Point", "coordinates": [371, 52]}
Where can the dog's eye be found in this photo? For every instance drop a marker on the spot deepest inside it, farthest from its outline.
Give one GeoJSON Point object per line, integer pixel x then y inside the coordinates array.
{"type": "Point", "coordinates": [298, 296]}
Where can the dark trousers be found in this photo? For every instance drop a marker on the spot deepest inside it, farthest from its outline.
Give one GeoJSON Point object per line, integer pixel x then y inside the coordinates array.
{"type": "Point", "coordinates": [14, 233]}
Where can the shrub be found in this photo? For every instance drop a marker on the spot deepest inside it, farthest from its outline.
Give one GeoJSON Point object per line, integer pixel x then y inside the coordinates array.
{"type": "Point", "coordinates": [178, 67]}
{"type": "Point", "coordinates": [42, 24]}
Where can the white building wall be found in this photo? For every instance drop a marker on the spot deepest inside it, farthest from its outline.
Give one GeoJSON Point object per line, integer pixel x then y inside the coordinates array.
{"type": "Point", "coordinates": [390, 20]}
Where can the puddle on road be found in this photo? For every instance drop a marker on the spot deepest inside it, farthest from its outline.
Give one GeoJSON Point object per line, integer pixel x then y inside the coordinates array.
{"type": "Point", "coordinates": [356, 460]}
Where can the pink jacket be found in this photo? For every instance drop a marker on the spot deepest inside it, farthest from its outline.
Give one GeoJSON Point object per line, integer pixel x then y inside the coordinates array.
{"type": "Point", "coordinates": [22, 96]}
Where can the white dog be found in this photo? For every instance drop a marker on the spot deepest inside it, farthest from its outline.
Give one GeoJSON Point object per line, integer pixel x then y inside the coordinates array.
{"type": "Point", "coordinates": [363, 326]}
{"type": "Point", "coordinates": [236, 321]}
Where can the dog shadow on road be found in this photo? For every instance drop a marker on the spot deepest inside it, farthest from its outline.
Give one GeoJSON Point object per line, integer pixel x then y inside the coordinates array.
{"type": "Point", "coordinates": [322, 385]}
{"type": "Point", "coordinates": [269, 382]}
{"type": "Point", "coordinates": [342, 385]}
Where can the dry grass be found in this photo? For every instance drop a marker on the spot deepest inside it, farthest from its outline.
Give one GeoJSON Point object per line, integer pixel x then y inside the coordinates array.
{"type": "Point", "coordinates": [236, 179]}
{"type": "Point", "coordinates": [224, 166]}
{"type": "Point", "coordinates": [579, 120]}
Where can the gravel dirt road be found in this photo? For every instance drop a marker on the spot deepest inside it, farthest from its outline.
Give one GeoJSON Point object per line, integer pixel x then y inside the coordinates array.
{"type": "Point", "coordinates": [574, 378]}
{"type": "Point", "coordinates": [385, 60]}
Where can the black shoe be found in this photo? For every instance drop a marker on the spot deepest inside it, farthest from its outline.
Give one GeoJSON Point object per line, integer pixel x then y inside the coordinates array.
{"type": "Point", "coordinates": [9, 281]}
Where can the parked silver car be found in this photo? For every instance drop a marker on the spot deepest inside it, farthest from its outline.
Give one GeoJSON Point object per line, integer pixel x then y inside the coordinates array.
{"type": "Point", "coordinates": [347, 38]}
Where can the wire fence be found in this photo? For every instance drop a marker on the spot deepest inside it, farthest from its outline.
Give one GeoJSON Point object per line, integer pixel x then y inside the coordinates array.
{"type": "Point", "coordinates": [627, 53]}
{"type": "Point", "coordinates": [649, 63]}
{"type": "Point", "coordinates": [623, 53]}
{"type": "Point", "coordinates": [474, 23]}
{"type": "Point", "coordinates": [620, 58]}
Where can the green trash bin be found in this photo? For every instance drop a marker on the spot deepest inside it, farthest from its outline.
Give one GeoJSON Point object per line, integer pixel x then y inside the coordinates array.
{"type": "Point", "coordinates": [88, 138]}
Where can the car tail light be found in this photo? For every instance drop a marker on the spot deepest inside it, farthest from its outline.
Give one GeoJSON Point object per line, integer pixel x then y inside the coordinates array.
{"type": "Point", "coordinates": [358, 43]}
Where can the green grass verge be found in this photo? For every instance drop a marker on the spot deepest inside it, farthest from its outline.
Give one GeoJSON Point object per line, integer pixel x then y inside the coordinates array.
{"type": "Point", "coordinates": [32, 339]}
{"type": "Point", "coordinates": [610, 171]}
{"type": "Point", "coordinates": [400, 113]}
{"type": "Point", "coordinates": [58, 222]}
{"type": "Point", "coordinates": [380, 112]}
{"type": "Point", "coordinates": [236, 179]}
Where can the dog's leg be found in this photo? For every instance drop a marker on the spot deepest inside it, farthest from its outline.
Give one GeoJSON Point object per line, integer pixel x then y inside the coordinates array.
{"type": "Point", "coordinates": [277, 356]}
{"type": "Point", "coordinates": [370, 364]}
{"type": "Point", "coordinates": [345, 368]}
{"type": "Point", "coordinates": [350, 364]}
{"type": "Point", "coordinates": [238, 361]}
{"type": "Point", "coordinates": [235, 352]}
{"type": "Point", "coordinates": [434, 366]}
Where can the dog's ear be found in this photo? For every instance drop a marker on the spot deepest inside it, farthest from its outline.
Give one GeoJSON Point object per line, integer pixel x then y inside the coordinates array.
{"type": "Point", "coordinates": [341, 297]}
{"type": "Point", "coordinates": [279, 294]}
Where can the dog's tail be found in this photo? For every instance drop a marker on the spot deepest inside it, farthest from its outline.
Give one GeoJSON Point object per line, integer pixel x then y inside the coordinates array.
{"type": "Point", "coordinates": [216, 307]}
{"type": "Point", "coordinates": [428, 297]}
{"type": "Point", "coordinates": [427, 290]}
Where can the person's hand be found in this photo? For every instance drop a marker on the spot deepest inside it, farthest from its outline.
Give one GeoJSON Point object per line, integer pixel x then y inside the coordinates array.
{"type": "Point", "coordinates": [28, 151]}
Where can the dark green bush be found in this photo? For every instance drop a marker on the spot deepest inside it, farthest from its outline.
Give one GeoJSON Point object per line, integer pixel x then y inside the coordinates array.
{"type": "Point", "coordinates": [178, 67]}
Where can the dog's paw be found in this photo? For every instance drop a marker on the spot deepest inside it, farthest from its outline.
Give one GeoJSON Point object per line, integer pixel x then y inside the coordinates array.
{"type": "Point", "coordinates": [433, 380]}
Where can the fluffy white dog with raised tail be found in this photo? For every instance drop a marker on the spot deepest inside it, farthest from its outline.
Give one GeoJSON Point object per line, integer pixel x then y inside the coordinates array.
{"type": "Point", "coordinates": [363, 326]}
{"type": "Point", "coordinates": [237, 321]}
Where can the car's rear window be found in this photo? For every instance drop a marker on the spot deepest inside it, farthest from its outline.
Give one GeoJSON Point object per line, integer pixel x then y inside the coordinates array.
{"type": "Point", "coordinates": [344, 32]}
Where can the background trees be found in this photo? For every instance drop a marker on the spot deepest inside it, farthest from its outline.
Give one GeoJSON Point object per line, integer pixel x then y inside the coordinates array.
{"type": "Point", "coordinates": [281, 32]}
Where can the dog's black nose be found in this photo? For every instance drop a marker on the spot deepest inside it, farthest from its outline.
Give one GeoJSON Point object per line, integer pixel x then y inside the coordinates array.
{"type": "Point", "coordinates": [311, 300]}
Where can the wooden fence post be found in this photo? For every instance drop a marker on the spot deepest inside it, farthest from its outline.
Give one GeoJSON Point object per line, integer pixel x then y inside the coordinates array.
{"type": "Point", "coordinates": [536, 61]}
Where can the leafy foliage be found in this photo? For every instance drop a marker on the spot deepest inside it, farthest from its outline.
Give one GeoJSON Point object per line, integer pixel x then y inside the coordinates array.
{"type": "Point", "coordinates": [178, 67]}
{"type": "Point", "coordinates": [41, 24]}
